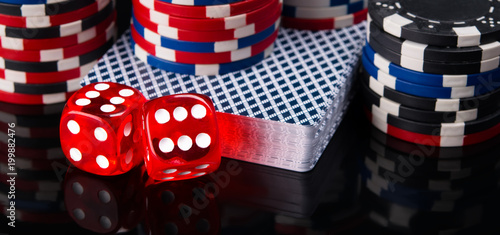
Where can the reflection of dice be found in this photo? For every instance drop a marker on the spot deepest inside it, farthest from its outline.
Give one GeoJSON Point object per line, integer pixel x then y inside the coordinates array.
{"type": "Point", "coordinates": [104, 204]}
{"type": "Point", "coordinates": [182, 137]}
{"type": "Point", "coordinates": [101, 128]}
{"type": "Point", "coordinates": [181, 207]}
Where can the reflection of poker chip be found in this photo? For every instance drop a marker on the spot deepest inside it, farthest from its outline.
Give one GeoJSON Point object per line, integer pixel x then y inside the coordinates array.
{"type": "Point", "coordinates": [30, 164]}
{"type": "Point", "coordinates": [49, 196]}
{"type": "Point", "coordinates": [29, 174]}
{"type": "Point", "coordinates": [476, 218]}
{"type": "Point", "coordinates": [38, 217]}
{"type": "Point", "coordinates": [34, 186]}
{"type": "Point", "coordinates": [34, 206]}
{"type": "Point", "coordinates": [31, 142]}
{"type": "Point", "coordinates": [33, 132]}
{"type": "Point", "coordinates": [32, 120]}
{"type": "Point", "coordinates": [35, 153]}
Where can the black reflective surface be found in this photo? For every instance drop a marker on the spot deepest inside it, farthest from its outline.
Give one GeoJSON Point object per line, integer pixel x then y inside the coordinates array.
{"type": "Point", "coordinates": [365, 183]}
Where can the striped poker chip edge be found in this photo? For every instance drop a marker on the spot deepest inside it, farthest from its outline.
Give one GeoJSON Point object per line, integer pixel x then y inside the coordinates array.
{"type": "Point", "coordinates": [323, 12]}
{"type": "Point", "coordinates": [202, 58]}
{"type": "Point", "coordinates": [428, 52]}
{"type": "Point", "coordinates": [424, 116]}
{"type": "Point", "coordinates": [193, 69]}
{"type": "Point", "coordinates": [431, 66]}
{"type": "Point", "coordinates": [399, 18]}
{"type": "Point", "coordinates": [325, 24]}
{"type": "Point", "coordinates": [60, 30]}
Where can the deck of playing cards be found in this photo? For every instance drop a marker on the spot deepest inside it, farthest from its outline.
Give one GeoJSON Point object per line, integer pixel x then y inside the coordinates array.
{"type": "Point", "coordinates": [281, 112]}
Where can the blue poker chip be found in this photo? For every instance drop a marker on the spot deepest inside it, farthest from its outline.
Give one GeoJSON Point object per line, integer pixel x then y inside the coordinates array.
{"type": "Point", "coordinates": [198, 2]}
{"type": "Point", "coordinates": [421, 90]}
{"type": "Point", "coordinates": [194, 69]}
{"type": "Point", "coordinates": [203, 47]}
{"type": "Point", "coordinates": [438, 80]}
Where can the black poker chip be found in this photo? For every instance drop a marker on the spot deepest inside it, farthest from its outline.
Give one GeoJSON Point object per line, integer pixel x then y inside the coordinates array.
{"type": "Point", "coordinates": [427, 52]}
{"type": "Point", "coordinates": [458, 23]}
{"type": "Point", "coordinates": [425, 116]}
{"type": "Point", "coordinates": [435, 67]}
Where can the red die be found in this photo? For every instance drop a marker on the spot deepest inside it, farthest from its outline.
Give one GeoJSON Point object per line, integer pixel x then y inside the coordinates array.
{"type": "Point", "coordinates": [101, 128]}
{"type": "Point", "coordinates": [182, 137]}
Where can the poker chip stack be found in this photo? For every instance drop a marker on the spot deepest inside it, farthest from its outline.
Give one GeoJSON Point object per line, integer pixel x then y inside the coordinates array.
{"type": "Point", "coordinates": [323, 14]}
{"type": "Point", "coordinates": [48, 46]}
{"type": "Point", "coordinates": [431, 70]}
{"type": "Point", "coordinates": [413, 189]}
{"type": "Point", "coordinates": [31, 154]}
{"type": "Point", "coordinates": [204, 37]}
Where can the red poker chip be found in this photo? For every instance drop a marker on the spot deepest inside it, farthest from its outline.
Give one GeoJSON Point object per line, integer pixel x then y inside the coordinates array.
{"type": "Point", "coordinates": [226, 23]}
{"type": "Point", "coordinates": [325, 24]}
{"type": "Point", "coordinates": [209, 36]}
{"type": "Point", "coordinates": [206, 12]}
